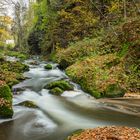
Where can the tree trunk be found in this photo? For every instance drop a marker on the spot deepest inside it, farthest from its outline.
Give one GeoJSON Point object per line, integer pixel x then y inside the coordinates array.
{"type": "Point", "coordinates": [102, 8]}
{"type": "Point", "coordinates": [124, 7]}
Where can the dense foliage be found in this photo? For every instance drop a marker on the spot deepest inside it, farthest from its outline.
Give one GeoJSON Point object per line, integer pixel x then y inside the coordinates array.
{"type": "Point", "coordinates": [81, 32]}
{"type": "Point", "coordinates": [73, 32]}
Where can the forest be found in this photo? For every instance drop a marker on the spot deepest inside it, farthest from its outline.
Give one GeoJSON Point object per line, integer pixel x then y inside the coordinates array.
{"type": "Point", "coordinates": [69, 69]}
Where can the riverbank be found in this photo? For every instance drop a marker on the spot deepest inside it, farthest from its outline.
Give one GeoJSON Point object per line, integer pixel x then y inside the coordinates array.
{"type": "Point", "coordinates": [39, 114]}
{"type": "Point", "coordinates": [104, 66]}
{"type": "Point", "coordinates": [11, 73]}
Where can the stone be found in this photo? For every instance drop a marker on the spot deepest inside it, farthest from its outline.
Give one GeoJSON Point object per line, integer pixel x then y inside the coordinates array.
{"type": "Point", "coordinates": [48, 67]}
{"type": "Point", "coordinates": [5, 100]}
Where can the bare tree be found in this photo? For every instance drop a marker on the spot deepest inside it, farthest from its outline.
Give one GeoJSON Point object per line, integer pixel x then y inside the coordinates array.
{"type": "Point", "coordinates": [18, 8]}
{"type": "Point", "coordinates": [19, 17]}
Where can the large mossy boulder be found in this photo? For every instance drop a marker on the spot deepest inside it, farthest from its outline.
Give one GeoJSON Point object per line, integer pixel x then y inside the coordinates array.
{"type": "Point", "coordinates": [114, 90]}
{"type": "Point", "coordinates": [58, 87]}
{"type": "Point", "coordinates": [101, 76]}
{"type": "Point", "coordinates": [5, 100]}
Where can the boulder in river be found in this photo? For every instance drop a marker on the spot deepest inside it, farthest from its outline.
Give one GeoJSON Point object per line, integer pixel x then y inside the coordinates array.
{"type": "Point", "coordinates": [29, 104]}
{"type": "Point", "coordinates": [56, 91]}
{"type": "Point", "coordinates": [57, 87]}
{"type": "Point", "coordinates": [48, 67]}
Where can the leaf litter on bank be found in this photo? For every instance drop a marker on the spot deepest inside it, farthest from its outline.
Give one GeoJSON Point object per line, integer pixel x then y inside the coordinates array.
{"type": "Point", "coordinates": [108, 133]}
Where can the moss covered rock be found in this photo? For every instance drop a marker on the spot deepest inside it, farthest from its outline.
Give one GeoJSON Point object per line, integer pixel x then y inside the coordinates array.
{"type": "Point", "coordinates": [62, 84]}
{"type": "Point", "coordinates": [21, 56]}
{"type": "Point", "coordinates": [5, 91]}
{"type": "Point", "coordinates": [114, 90]}
{"type": "Point", "coordinates": [11, 72]}
{"type": "Point", "coordinates": [100, 76]}
{"type": "Point", "coordinates": [48, 67]}
{"type": "Point", "coordinates": [5, 100]}
{"type": "Point", "coordinates": [11, 78]}
{"type": "Point", "coordinates": [56, 91]}
{"type": "Point", "coordinates": [29, 104]}
{"type": "Point", "coordinates": [58, 87]}
{"type": "Point", "coordinates": [17, 67]}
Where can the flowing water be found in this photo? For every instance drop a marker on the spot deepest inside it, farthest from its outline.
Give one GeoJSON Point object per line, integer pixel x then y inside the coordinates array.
{"type": "Point", "coordinates": [58, 116]}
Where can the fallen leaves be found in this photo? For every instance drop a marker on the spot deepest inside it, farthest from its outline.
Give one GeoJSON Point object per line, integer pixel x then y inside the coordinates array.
{"type": "Point", "coordinates": [108, 133]}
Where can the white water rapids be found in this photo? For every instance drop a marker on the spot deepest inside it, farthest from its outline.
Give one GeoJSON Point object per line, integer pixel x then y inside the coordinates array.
{"type": "Point", "coordinates": [58, 116]}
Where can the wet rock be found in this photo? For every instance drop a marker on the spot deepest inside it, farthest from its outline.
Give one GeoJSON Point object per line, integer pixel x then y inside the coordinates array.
{"type": "Point", "coordinates": [17, 90]}
{"type": "Point", "coordinates": [56, 91]}
{"type": "Point", "coordinates": [29, 104]}
{"type": "Point", "coordinates": [48, 67]}
{"type": "Point", "coordinates": [33, 63]}
{"type": "Point", "coordinates": [58, 87]}
{"type": "Point", "coordinates": [62, 84]}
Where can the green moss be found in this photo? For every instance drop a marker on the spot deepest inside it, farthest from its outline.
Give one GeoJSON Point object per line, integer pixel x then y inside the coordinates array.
{"type": "Point", "coordinates": [48, 66]}
{"type": "Point", "coordinates": [56, 91]}
{"type": "Point", "coordinates": [12, 82]}
{"type": "Point", "coordinates": [11, 72]}
{"type": "Point", "coordinates": [76, 51]}
{"type": "Point", "coordinates": [6, 112]}
{"type": "Point", "coordinates": [96, 74]}
{"type": "Point", "coordinates": [11, 78]}
{"type": "Point", "coordinates": [17, 67]}
{"type": "Point", "coordinates": [19, 55]}
{"type": "Point", "coordinates": [29, 104]}
{"type": "Point", "coordinates": [62, 84]}
{"type": "Point", "coordinates": [114, 90]}
{"type": "Point", "coordinates": [5, 92]}
{"type": "Point", "coordinates": [93, 92]}
{"type": "Point", "coordinates": [2, 59]}
{"type": "Point", "coordinates": [5, 100]}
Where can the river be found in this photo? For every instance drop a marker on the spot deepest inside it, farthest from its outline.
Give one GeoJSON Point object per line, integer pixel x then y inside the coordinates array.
{"type": "Point", "coordinates": [57, 116]}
